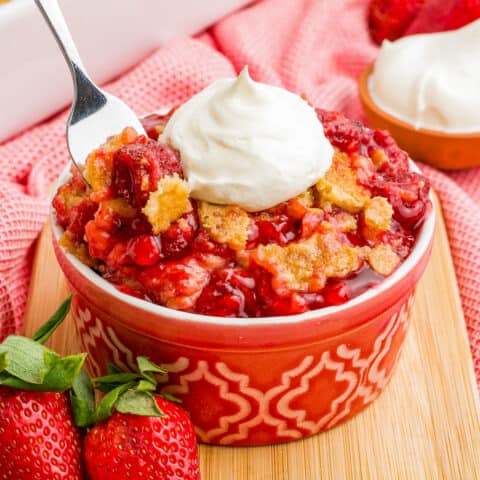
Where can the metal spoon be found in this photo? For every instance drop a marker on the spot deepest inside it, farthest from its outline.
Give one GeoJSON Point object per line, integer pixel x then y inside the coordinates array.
{"type": "Point", "coordinates": [95, 114]}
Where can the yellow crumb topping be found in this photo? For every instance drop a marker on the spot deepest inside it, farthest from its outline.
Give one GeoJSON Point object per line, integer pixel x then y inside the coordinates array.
{"type": "Point", "coordinates": [80, 250]}
{"type": "Point", "coordinates": [128, 135]}
{"type": "Point", "coordinates": [346, 222]}
{"type": "Point", "coordinates": [167, 204]}
{"type": "Point", "coordinates": [306, 265]}
{"type": "Point", "coordinates": [118, 206]}
{"type": "Point", "coordinates": [98, 171]}
{"type": "Point", "coordinates": [340, 188]}
{"type": "Point", "coordinates": [70, 198]}
{"type": "Point", "coordinates": [295, 266]}
{"type": "Point", "coordinates": [307, 198]}
{"type": "Point", "coordinates": [225, 223]}
{"type": "Point", "coordinates": [378, 214]}
{"type": "Point", "coordinates": [339, 258]}
{"type": "Point", "coordinates": [383, 259]}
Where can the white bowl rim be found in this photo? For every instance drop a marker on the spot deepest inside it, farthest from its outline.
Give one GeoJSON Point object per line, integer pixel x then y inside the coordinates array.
{"type": "Point", "coordinates": [420, 248]}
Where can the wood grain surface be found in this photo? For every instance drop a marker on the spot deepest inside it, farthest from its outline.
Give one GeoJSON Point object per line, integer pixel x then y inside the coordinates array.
{"type": "Point", "coordinates": [426, 425]}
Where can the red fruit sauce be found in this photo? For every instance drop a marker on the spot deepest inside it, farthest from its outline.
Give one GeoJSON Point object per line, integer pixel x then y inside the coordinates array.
{"type": "Point", "coordinates": [185, 268]}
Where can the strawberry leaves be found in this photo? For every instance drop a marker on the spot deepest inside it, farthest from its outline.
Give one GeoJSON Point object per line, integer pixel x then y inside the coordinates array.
{"type": "Point", "coordinates": [106, 406]}
{"type": "Point", "coordinates": [129, 392]}
{"type": "Point", "coordinates": [138, 402]}
{"type": "Point", "coordinates": [125, 392]}
{"type": "Point", "coordinates": [3, 358]}
{"type": "Point", "coordinates": [63, 372]}
{"type": "Point", "coordinates": [25, 360]}
{"type": "Point", "coordinates": [26, 364]}
{"type": "Point", "coordinates": [82, 399]}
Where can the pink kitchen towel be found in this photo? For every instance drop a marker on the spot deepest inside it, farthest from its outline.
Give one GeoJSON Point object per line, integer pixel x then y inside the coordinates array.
{"type": "Point", "coordinates": [312, 47]}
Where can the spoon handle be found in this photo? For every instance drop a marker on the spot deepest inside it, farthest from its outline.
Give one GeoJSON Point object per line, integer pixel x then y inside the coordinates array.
{"type": "Point", "coordinates": [87, 97]}
{"type": "Point", "coordinates": [50, 10]}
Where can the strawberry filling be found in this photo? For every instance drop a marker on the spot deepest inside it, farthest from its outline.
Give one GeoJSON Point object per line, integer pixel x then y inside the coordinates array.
{"type": "Point", "coordinates": [322, 248]}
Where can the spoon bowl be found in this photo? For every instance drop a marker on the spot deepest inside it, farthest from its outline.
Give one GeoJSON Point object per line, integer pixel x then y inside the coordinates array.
{"type": "Point", "coordinates": [94, 118]}
{"type": "Point", "coordinates": [448, 151]}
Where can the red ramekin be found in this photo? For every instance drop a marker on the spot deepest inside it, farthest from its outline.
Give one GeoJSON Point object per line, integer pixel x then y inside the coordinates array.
{"type": "Point", "coordinates": [252, 381]}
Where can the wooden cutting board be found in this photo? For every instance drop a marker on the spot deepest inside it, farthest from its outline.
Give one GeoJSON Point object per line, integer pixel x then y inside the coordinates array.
{"type": "Point", "coordinates": [426, 425]}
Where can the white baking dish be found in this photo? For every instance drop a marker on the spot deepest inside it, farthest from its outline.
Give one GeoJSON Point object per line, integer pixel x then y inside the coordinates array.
{"type": "Point", "coordinates": [112, 35]}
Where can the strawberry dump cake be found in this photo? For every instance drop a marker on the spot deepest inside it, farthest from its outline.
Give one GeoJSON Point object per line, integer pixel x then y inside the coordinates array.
{"type": "Point", "coordinates": [152, 226]}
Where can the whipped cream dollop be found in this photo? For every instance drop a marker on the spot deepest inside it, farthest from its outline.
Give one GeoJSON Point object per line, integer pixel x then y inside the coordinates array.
{"type": "Point", "coordinates": [247, 143]}
{"type": "Point", "coordinates": [431, 80]}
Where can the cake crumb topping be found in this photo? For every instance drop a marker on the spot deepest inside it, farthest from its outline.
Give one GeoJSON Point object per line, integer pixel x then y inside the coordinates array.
{"type": "Point", "coordinates": [383, 259]}
{"type": "Point", "coordinates": [225, 223]}
{"type": "Point", "coordinates": [378, 214]}
{"type": "Point", "coordinates": [167, 204]}
{"type": "Point", "coordinates": [340, 188]}
{"type": "Point", "coordinates": [346, 222]}
{"type": "Point", "coordinates": [306, 265]}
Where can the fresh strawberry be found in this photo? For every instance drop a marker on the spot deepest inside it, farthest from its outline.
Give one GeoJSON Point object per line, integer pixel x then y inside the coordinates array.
{"type": "Point", "coordinates": [133, 446]}
{"type": "Point", "coordinates": [38, 437]}
{"type": "Point", "coordinates": [442, 15]}
{"type": "Point", "coordinates": [389, 19]}
{"type": "Point", "coordinates": [147, 436]}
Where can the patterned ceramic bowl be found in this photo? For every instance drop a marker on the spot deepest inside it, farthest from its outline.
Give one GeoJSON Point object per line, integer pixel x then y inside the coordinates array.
{"type": "Point", "coordinates": [250, 381]}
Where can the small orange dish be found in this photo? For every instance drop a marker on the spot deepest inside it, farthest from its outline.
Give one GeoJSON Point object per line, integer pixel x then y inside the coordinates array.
{"type": "Point", "coordinates": [449, 151]}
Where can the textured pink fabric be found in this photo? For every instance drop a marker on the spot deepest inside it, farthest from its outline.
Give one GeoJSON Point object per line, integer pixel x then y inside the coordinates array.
{"type": "Point", "coordinates": [312, 47]}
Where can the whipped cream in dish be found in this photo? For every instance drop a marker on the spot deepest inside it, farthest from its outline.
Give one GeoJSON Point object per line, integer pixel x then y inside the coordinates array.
{"type": "Point", "coordinates": [431, 81]}
{"type": "Point", "coordinates": [249, 144]}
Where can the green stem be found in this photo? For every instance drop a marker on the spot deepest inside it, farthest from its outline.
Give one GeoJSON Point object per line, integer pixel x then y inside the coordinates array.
{"type": "Point", "coordinates": [46, 330]}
